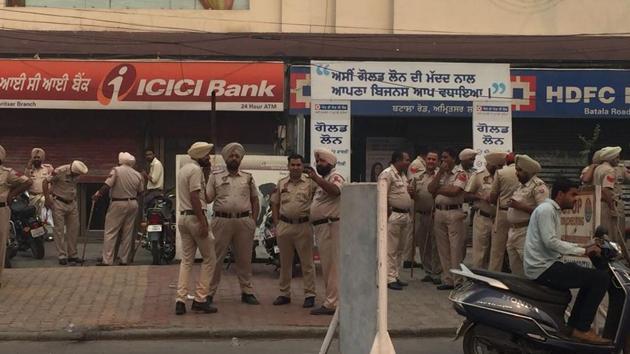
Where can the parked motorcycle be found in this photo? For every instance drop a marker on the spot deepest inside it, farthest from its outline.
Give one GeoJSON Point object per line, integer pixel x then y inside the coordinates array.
{"type": "Point", "coordinates": [30, 232]}
{"type": "Point", "coordinates": [12, 248]}
{"type": "Point", "coordinates": [159, 229]}
{"type": "Point", "coordinates": [510, 314]}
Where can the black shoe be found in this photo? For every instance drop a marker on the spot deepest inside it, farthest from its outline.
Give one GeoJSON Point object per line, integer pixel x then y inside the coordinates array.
{"type": "Point", "coordinates": [309, 302]}
{"type": "Point", "coordinates": [401, 283]}
{"type": "Point", "coordinates": [210, 298]}
{"type": "Point", "coordinates": [418, 265]}
{"type": "Point", "coordinates": [63, 261]}
{"type": "Point", "coordinates": [101, 264]}
{"type": "Point", "coordinates": [445, 287]}
{"type": "Point", "coordinates": [282, 300]}
{"type": "Point", "coordinates": [203, 307]}
{"type": "Point", "coordinates": [75, 260]}
{"type": "Point", "coordinates": [122, 264]}
{"type": "Point", "coordinates": [394, 286]}
{"type": "Point", "coordinates": [249, 299]}
{"type": "Point", "coordinates": [323, 311]}
{"type": "Point", "coordinates": [427, 279]}
{"type": "Point", "coordinates": [180, 308]}
{"type": "Point", "coordinates": [437, 281]}
{"type": "Point", "coordinates": [407, 264]}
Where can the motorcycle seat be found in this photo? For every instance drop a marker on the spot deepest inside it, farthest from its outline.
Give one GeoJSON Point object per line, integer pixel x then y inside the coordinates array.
{"type": "Point", "coordinates": [528, 288]}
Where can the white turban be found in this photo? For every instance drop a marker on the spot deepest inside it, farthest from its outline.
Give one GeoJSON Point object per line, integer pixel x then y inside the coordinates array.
{"type": "Point", "coordinates": [325, 155]}
{"type": "Point", "coordinates": [527, 164]}
{"type": "Point", "coordinates": [467, 154]}
{"type": "Point", "coordinates": [38, 152]}
{"type": "Point", "coordinates": [125, 158]}
{"type": "Point", "coordinates": [231, 148]}
{"type": "Point", "coordinates": [496, 158]}
{"type": "Point", "coordinates": [78, 167]}
{"type": "Point", "coordinates": [597, 157]}
{"type": "Point", "coordinates": [610, 153]}
{"type": "Point", "coordinates": [3, 153]}
{"type": "Point", "coordinates": [199, 149]}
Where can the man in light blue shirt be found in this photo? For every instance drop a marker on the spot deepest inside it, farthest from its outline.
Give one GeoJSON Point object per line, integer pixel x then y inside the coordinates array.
{"type": "Point", "coordinates": [542, 261]}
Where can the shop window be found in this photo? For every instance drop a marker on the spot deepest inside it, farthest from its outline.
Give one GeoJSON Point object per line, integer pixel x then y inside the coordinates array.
{"type": "Point", "coordinates": [135, 4]}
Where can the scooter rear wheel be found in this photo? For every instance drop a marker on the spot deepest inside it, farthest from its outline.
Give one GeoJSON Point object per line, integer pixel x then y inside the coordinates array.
{"type": "Point", "coordinates": [475, 344]}
{"type": "Point", "coordinates": [37, 248]}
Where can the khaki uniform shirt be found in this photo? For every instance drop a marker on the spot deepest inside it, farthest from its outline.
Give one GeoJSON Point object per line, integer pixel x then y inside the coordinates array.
{"type": "Point", "coordinates": [397, 193]}
{"type": "Point", "coordinates": [481, 183]}
{"type": "Point", "coordinates": [156, 173]}
{"type": "Point", "coordinates": [38, 176]}
{"type": "Point", "coordinates": [189, 179]}
{"type": "Point", "coordinates": [458, 178]}
{"type": "Point", "coordinates": [417, 167]}
{"type": "Point", "coordinates": [294, 198]}
{"type": "Point", "coordinates": [533, 193]}
{"type": "Point", "coordinates": [9, 179]}
{"type": "Point", "coordinates": [606, 176]}
{"type": "Point", "coordinates": [505, 183]}
{"type": "Point", "coordinates": [63, 184]}
{"type": "Point", "coordinates": [231, 194]}
{"type": "Point", "coordinates": [423, 199]}
{"type": "Point", "coordinates": [125, 182]}
{"type": "Point", "coordinates": [325, 205]}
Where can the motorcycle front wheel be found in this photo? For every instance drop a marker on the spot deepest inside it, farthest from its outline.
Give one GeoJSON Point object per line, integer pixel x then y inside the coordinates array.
{"type": "Point", "coordinates": [37, 248]}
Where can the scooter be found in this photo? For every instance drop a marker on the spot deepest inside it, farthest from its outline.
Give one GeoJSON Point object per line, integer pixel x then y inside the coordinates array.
{"type": "Point", "coordinates": [510, 314]}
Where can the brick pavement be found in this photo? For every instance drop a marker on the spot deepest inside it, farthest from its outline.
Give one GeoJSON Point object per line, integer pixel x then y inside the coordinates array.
{"type": "Point", "coordinates": [80, 299]}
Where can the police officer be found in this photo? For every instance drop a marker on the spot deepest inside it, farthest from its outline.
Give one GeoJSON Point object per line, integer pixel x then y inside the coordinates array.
{"type": "Point", "coordinates": [325, 221]}
{"type": "Point", "coordinates": [38, 172]}
{"type": "Point", "coordinates": [11, 185]}
{"type": "Point", "coordinates": [479, 189]}
{"type": "Point", "coordinates": [60, 191]}
{"type": "Point", "coordinates": [194, 230]}
{"type": "Point", "coordinates": [531, 193]}
{"type": "Point", "coordinates": [586, 176]}
{"type": "Point", "coordinates": [236, 207]}
{"type": "Point", "coordinates": [424, 204]}
{"type": "Point", "coordinates": [399, 221]}
{"type": "Point", "coordinates": [417, 167]}
{"type": "Point", "coordinates": [290, 206]}
{"type": "Point", "coordinates": [504, 185]}
{"type": "Point", "coordinates": [124, 185]}
{"type": "Point", "coordinates": [449, 228]}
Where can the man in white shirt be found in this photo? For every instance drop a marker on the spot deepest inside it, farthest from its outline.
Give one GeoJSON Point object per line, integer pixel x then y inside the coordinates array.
{"type": "Point", "coordinates": [154, 176]}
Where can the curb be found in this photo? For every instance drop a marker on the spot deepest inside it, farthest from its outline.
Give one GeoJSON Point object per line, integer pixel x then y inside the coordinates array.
{"type": "Point", "coordinates": [93, 334]}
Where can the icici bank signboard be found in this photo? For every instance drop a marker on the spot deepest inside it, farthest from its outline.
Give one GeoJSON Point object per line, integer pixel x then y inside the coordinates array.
{"type": "Point", "coordinates": [146, 85]}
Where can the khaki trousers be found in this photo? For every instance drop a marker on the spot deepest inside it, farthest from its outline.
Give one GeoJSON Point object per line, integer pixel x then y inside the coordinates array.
{"type": "Point", "coordinates": [616, 228]}
{"type": "Point", "coordinates": [498, 244]}
{"type": "Point", "coordinates": [450, 235]}
{"type": "Point", "coordinates": [328, 243]}
{"type": "Point", "coordinates": [515, 246]}
{"type": "Point", "coordinates": [66, 229]}
{"type": "Point", "coordinates": [482, 235]}
{"type": "Point", "coordinates": [5, 217]}
{"type": "Point", "coordinates": [411, 244]}
{"type": "Point", "coordinates": [120, 219]}
{"type": "Point", "coordinates": [189, 230]}
{"type": "Point", "coordinates": [291, 238]}
{"type": "Point", "coordinates": [397, 232]}
{"type": "Point", "coordinates": [239, 234]}
{"type": "Point", "coordinates": [425, 239]}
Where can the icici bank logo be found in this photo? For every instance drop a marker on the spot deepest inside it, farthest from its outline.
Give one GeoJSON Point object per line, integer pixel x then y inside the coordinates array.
{"type": "Point", "coordinates": [117, 84]}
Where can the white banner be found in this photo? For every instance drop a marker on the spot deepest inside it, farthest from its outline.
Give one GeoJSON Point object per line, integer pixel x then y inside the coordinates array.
{"type": "Point", "coordinates": [338, 80]}
{"type": "Point", "coordinates": [330, 129]}
{"type": "Point", "coordinates": [492, 128]}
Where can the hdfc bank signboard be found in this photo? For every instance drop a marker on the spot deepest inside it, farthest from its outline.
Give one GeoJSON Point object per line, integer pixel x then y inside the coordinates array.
{"type": "Point", "coordinates": [146, 85]}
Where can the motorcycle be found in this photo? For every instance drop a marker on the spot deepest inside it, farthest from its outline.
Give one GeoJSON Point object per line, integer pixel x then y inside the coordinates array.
{"type": "Point", "coordinates": [159, 229]}
{"type": "Point", "coordinates": [510, 314]}
{"type": "Point", "coordinates": [12, 248]}
{"type": "Point", "coordinates": [29, 230]}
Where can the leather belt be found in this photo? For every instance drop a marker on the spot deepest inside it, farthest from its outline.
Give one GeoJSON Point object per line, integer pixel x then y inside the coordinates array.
{"type": "Point", "coordinates": [519, 225]}
{"type": "Point", "coordinates": [221, 214]}
{"type": "Point", "coordinates": [3, 204]}
{"type": "Point", "coordinates": [301, 220]}
{"type": "Point", "coordinates": [448, 207]}
{"type": "Point", "coordinates": [190, 212]}
{"type": "Point", "coordinates": [402, 211]}
{"type": "Point", "coordinates": [488, 215]}
{"type": "Point", "coordinates": [425, 213]}
{"type": "Point", "coordinates": [323, 221]}
{"type": "Point", "coordinates": [122, 199]}
{"type": "Point", "coordinates": [66, 201]}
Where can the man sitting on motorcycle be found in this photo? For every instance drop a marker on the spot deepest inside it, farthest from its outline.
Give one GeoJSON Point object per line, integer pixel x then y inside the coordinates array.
{"type": "Point", "coordinates": [542, 262]}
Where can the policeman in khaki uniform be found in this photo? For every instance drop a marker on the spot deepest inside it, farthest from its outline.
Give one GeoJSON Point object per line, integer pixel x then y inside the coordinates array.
{"type": "Point", "coordinates": [586, 176]}
{"type": "Point", "coordinates": [479, 189]}
{"type": "Point", "coordinates": [531, 193]}
{"type": "Point", "coordinates": [11, 185]}
{"type": "Point", "coordinates": [448, 224]}
{"type": "Point", "coordinates": [60, 191]}
{"type": "Point", "coordinates": [424, 204]}
{"type": "Point", "coordinates": [236, 207]}
{"type": "Point", "coordinates": [194, 230]}
{"type": "Point", "coordinates": [504, 185]}
{"type": "Point", "coordinates": [290, 205]}
{"type": "Point", "coordinates": [38, 172]}
{"type": "Point", "coordinates": [124, 185]}
{"type": "Point", "coordinates": [325, 220]}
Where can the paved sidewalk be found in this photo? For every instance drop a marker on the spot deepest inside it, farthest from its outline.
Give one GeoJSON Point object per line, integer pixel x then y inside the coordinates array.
{"type": "Point", "coordinates": [90, 302]}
